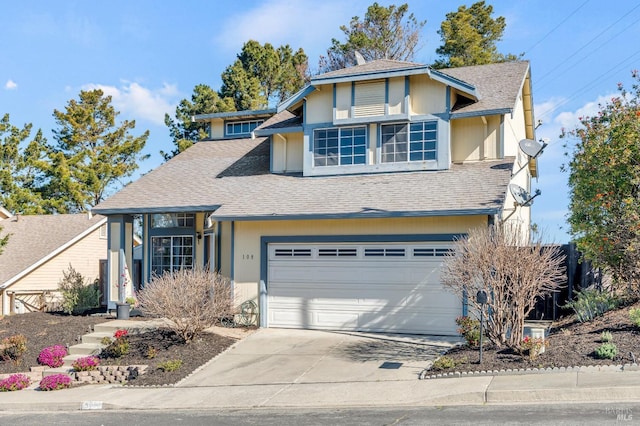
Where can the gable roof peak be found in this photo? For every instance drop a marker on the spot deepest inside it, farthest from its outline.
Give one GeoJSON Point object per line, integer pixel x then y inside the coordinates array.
{"type": "Point", "coordinates": [375, 66]}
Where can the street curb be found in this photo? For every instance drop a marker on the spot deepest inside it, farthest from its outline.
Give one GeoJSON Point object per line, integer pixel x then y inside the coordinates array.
{"type": "Point", "coordinates": [525, 371]}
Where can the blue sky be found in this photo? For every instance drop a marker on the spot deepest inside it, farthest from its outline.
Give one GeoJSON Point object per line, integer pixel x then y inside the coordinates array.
{"type": "Point", "coordinates": [150, 54]}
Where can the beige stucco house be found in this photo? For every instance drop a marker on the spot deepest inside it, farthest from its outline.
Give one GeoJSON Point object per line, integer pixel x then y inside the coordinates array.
{"type": "Point", "coordinates": [334, 209]}
{"type": "Point", "coordinates": [40, 248]}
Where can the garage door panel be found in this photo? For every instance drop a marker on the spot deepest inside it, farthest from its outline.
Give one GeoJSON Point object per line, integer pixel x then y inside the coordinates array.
{"type": "Point", "coordinates": [372, 273]}
{"type": "Point", "coordinates": [386, 294]}
{"type": "Point", "coordinates": [383, 295]}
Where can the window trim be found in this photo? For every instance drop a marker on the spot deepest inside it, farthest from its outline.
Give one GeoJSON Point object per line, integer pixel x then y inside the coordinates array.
{"type": "Point", "coordinates": [181, 220]}
{"type": "Point", "coordinates": [408, 142]}
{"type": "Point", "coordinates": [339, 147]}
{"type": "Point", "coordinates": [171, 254]}
{"type": "Point", "coordinates": [230, 124]}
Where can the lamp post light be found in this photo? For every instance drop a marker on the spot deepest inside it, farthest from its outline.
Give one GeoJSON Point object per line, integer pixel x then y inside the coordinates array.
{"type": "Point", "coordinates": [481, 298]}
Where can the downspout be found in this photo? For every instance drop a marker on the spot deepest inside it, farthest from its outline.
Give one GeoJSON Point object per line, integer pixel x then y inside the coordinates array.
{"type": "Point", "coordinates": [233, 260]}
{"type": "Point", "coordinates": [483, 146]}
{"type": "Point", "coordinates": [284, 140]}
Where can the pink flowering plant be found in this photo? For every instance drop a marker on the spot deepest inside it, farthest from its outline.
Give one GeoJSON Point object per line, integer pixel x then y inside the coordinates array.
{"type": "Point", "coordinates": [55, 382]}
{"type": "Point", "coordinates": [14, 382]}
{"type": "Point", "coordinates": [52, 356]}
{"type": "Point", "coordinates": [87, 363]}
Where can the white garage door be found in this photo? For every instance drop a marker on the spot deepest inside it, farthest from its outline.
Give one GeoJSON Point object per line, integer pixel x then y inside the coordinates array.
{"type": "Point", "coordinates": [363, 287]}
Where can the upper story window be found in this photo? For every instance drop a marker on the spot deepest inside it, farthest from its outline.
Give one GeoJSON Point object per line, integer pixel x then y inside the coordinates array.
{"type": "Point", "coordinates": [234, 128]}
{"type": "Point", "coordinates": [172, 220]}
{"type": "Point", "coordinates": [339, 146]}
{"type": "Point", "coordinates": [409, 142]}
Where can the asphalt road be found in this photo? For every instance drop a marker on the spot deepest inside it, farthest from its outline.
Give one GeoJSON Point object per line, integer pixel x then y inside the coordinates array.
{"type": "Point", "coordinates": [574, 414]}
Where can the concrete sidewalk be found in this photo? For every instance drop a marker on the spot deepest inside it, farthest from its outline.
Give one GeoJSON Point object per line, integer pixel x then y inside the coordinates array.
{"type": "Point", "coordinates": [312, 369]}
{"type": "Point", "coordinates": [603, 386]}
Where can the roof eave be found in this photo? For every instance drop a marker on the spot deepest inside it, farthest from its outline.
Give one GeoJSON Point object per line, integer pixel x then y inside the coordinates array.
{"type": "Point", "coordinates": [362, 215]}
{"type": "Point", "coordinates": [282, 130]}
{"type": "Point", "coordinates": [158, 209]}
{"type": "Point", "coordinates": [234, 114]}
{"type": "Point", "coordinates": [499, 111]}
{"type": "Point", "coordinates": [295, 98]}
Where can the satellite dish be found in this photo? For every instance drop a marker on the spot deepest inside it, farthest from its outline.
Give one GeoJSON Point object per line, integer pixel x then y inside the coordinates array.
{"type": "Point", "coordinates": [532, 148]}
{"type": "Point", "coordinates": [521, 196]}
{"type": "Point", "coordinates": [359, 58]}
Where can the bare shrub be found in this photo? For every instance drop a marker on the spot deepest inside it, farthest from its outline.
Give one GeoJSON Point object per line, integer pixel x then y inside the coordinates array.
{"type": "Point", "coordinates": [512, 275]}
{"type": "Point", "coordinates": [191, 299]}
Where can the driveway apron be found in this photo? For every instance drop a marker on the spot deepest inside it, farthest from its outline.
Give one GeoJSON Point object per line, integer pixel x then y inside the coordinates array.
{"type": "Point", "coordinates": [287, 356]}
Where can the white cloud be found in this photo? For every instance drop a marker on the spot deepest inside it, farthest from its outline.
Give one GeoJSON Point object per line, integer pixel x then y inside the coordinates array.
{"type": "Point", "coordinates": [570, 120]}
{"type": "Point", "coordinates": [141, 103]}
{"type": "Point", "coordinates": [11, 85]}
{"type": "Point", "coordinates": [288, 22]}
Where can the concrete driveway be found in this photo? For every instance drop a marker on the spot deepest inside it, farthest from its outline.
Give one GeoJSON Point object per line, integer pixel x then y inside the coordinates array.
{"type": "Point", "coordinates": [273, 356]}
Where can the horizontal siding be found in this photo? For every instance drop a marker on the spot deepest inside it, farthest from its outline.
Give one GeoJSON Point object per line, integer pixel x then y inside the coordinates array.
{"type": "Point", "coordinates": [84, 256]}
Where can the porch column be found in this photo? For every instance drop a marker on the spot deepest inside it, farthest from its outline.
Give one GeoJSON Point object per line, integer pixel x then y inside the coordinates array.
{"type": "Point", "coordinates": [120, 259]}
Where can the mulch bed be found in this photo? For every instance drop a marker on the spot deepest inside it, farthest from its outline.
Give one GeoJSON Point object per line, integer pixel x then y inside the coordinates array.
{"type": "Point", "coordinates": [569, 344]}
{"type": "Point", "coordinates": [47, 329]}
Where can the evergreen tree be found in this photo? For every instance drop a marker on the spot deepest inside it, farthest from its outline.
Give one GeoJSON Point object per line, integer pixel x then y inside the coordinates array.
{"type": "Point", "coordinates": [3, 241]}
{"type": "Point", "coordinates": [469, 37]}
{"type": "Point", "coordinates": [21, 168]}
{"type": "Point", "coordinates": [184, 132]}
{"type": "Point", "coordinates": [264, 75]}
{"type": "Point", "coordinates": [91, 155]}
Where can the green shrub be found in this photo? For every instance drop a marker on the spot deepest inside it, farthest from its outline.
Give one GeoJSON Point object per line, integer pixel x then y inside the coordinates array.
{"type": "Point", "coordinates": [592, 303]}
{"type": "Point", "coordinates": [78, 296]}
{"type": "Point", "coordinates": [607, 351]}
{"type": "Point", "coordinates": [469, 328]}
{"type": "Point", "coordinates": [606, 337]}
{"type": "Point", "coordinates": [117, 346]}
{"type": "Point", "coordinates": [170, 365]}
{"type": "Point", "coordinates": [444, 363]}
{"type": "Point", "coordinates": [634, 315]}
{"type": "Point", "coordinates": [151, 352]}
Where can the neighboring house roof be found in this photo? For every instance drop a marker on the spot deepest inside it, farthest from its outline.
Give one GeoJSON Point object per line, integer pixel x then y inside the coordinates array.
{"type": "Point", "coordinates": [499, 86]}
{"type": "Point", "coordinates": [232, 179]}
{"type": "Point", "coordinates": [4, 213]}
{"type": "Point", "coordinates": [35, 239]}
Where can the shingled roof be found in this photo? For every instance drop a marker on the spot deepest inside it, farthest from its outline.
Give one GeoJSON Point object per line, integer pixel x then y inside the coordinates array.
{"type": "Point", "coordinates": [498, 85]}
{"type": "Point", "coordinates": [232, 178]}
{"type": "Point", "coordinates": [33, 238]}
{"type": "Point", "coordinates": [379, 65]}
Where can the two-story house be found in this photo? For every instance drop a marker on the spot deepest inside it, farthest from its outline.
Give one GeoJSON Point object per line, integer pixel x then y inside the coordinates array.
{"type": "Point", "coordinates": [335, 209]}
